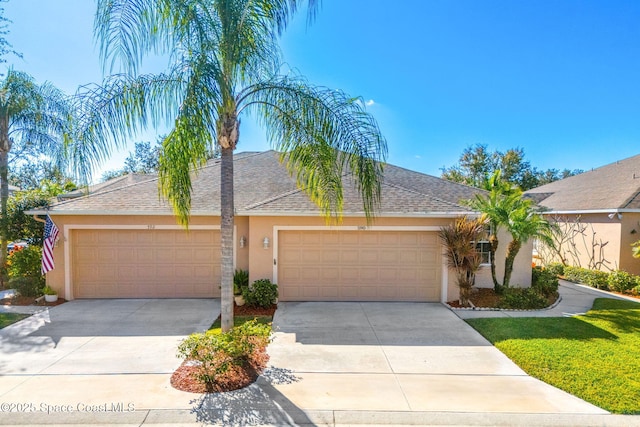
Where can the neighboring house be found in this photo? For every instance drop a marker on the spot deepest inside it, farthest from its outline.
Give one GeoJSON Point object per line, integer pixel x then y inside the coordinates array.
{"type": "Point", "coordinates": [599, 213]}
{"type": "Point", "coordinates": [123, 241]}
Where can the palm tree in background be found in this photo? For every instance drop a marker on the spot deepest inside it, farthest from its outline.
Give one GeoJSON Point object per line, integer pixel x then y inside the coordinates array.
{"type": "Point", "coordinates": [224, 63]}
{"type": "Point", "coordinates": [34, 118]}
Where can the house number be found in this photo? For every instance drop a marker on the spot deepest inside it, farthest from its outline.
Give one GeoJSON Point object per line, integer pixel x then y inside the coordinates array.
{"type": "Point", "coordinates": [151, 227]}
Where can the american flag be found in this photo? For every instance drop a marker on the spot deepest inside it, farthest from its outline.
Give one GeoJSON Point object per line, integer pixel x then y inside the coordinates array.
{"type": "Point", "coordinates": [50, 237]}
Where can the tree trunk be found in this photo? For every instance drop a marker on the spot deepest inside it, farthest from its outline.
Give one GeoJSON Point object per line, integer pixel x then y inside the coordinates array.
{"type": "Point", "coordinates": [5, 147]}
{"type": "Point", "coordinates": [512, 251]}
{"type": "Point", "coordinates": [493, 247]}
{"type": "Point", "coordinates": [226, 238]}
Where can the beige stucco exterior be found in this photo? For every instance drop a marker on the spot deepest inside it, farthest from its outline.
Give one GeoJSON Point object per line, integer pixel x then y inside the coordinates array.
{"type": "Point", "coordinates": [263, 262]}
{"type": "Point", "coordinates": [603, 243]}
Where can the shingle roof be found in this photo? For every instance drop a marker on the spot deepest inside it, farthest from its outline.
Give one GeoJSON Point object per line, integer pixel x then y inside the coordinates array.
{"type": "Point", "coordinates": [614, 186]}
{"type": "Point", "coordinates": [262, 186]}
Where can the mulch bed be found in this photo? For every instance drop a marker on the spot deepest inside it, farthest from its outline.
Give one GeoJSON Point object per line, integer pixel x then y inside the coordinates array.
{"type": "Point", "coordinates": [480, 297]}
{"type": "Point", "coordinates": [20, 300]}
{"type": "Point", "coordinates": [185, 377]}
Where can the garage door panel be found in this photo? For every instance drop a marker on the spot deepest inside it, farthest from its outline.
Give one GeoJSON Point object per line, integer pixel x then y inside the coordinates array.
{"type": "Point", "coordinates": [359, 265]}
{"type": "Point", "coordinates": [145, 263]}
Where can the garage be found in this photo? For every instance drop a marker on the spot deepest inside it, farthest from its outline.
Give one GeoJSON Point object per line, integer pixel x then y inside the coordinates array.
{"type": "Point", "coordinates": [336, 265]}
{"type": "Point", "coordinates": [145, 263]}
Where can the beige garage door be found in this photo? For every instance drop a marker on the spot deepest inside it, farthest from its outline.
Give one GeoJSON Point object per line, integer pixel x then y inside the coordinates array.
{"type": "Point", "coordinates": [359, 266]}
{"type": "Point", "coordinates": [146, 263]}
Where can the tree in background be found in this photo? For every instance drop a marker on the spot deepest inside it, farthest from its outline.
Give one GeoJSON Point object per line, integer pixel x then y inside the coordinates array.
{"type": "Point", "coordinates": [225, 62]}
{"type": "Point", "coordinates": [33, 117]}
{"type": "Point", "coordinates": [477, 164]}
{"type": "Point", "coordinates": [5, 47]}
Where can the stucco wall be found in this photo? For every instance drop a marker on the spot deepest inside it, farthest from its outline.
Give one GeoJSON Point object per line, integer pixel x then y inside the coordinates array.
{"type": "Point", "coordinates": [629, 233]}
{"type": "Point", "coordinates": [521, 276]}
{"type": "Point", "coordinates": [591, 240]}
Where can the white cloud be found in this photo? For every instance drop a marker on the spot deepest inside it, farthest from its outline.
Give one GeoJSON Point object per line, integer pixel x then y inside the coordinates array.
{"type": "Point", "coordinates": [417, 156]}
{"type": "Point", "coordinates": [369, 103]}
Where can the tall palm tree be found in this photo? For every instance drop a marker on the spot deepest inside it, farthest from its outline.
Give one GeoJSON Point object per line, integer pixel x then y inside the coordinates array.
{"type": "Point", "coordinates": [224, 63]}
{"type": "Point", "coordinates": [32, 116]}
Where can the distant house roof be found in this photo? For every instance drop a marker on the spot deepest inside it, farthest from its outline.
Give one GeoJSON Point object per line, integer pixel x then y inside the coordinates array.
{"type": "Point", "coordinates": [262, 186]}
{"type": "Point", "coordinates": [614, 187]}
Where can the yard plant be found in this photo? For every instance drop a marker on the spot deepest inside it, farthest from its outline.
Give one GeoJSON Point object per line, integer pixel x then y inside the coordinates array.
{"type": "Point", "coordinates": [593, 356]}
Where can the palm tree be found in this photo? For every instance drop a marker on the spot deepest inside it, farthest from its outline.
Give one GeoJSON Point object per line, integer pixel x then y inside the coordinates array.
{"type": "Point", "coordinates": [459, 240]}
{"type": "Point", "coordinates": [224, 63]}
{"type": "Point", "coordinates": [32, 116]}
{"type": "Point", "coordinates": [524, 223]}
{"type": "Point", "coordinates": [505, 206]}
{"type": "Point", "coordinates": [496, 205]}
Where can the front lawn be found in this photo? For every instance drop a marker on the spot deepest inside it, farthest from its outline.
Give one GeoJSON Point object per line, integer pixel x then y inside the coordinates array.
{"type": "Point", "coordinates": [594, 357]}
{"type": "Point", "coordinates": [7, 319]}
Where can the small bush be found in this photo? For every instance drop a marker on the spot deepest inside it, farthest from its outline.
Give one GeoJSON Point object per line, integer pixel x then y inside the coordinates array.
{"type": "Point", "coordinates": [595, 278]}
{"type": "Point", "coordinates": [240, 281]}
{"type": "Point", "coordinates": [27, 286]}
{"type": "Point", "coordinates": [621, 281]}
{"type": "Point", "coordinates": [522, 298]}
{"type": "Point", "coordinates": [261, 293]}
{"type": "Point", "coordinates": [544, 281]}
{"type": "Point", "coordinates": [220, 353]}
{"type": "Point", "coordinates": [555, 268]}
{"type": "Point", "coordinates": [25, 262]}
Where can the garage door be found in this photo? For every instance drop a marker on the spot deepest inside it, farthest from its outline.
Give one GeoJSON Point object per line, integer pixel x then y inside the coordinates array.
{"type": "Point", "coordinates": [146, 263]}
{"type": "Point", "coordinates": [359, 266]}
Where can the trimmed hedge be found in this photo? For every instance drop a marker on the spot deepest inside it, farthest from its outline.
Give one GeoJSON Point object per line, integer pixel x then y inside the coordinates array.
{"type": "Point", "coordinates": [597, 279]}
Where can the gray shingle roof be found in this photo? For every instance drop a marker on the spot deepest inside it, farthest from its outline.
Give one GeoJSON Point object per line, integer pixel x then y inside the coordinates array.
{"type": "Point", "coordinates": [614, 186]}
{"type": "Point", "coordinates": [262, 186]}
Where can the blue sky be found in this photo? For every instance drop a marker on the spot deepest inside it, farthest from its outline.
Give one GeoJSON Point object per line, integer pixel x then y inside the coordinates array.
{"type": "Point", "coordinates": [560, 79]}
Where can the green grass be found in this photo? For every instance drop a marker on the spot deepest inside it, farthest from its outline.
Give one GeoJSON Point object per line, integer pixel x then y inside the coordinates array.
{"type": "Point", "coordinates": [237, 321]}
{"type": "Point", "coordinates": [595, 356]}
{"type": "Point", "coordinates": [8, 318]}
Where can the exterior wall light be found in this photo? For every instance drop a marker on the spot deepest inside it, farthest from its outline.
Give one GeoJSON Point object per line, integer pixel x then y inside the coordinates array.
{"type": "Point", "coordinates": [265, 243]}
{"type": "Point", "coordinates": [243, 242]}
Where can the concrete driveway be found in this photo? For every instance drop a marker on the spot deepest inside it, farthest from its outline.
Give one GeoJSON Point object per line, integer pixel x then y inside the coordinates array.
{"type": "Point", "coordinates": [401, 357]}
{"type": "Point", "coordinates": [93, 352]}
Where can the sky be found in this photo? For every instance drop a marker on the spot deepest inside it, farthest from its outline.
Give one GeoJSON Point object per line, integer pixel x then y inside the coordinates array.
{"type": "Point", "coordinates": [559, 79]}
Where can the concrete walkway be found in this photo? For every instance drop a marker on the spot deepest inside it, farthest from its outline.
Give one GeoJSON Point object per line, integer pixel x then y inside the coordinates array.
{"type": "Point", "coordinates": [333, 364]}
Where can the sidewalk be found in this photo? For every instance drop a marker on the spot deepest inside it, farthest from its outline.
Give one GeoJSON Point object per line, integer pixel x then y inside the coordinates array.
{"type": "Point", "coordinates": [574, 300]}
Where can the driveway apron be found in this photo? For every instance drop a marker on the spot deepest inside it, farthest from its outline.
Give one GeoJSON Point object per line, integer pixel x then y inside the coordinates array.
{"type": "Point", "coordinates": [86, 353]}
{"type": "Point", "coordinates": [401, 357]}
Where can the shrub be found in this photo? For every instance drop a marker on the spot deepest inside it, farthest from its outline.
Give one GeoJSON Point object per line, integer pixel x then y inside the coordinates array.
{"type": "Point", "coordinates": [24, 268]}
{"type": "Point", "coordinates": [555, 268]}
{"type": "Point", "coordinates": [595, 278]}
{"type": "Point", "coordinates": [27, 286]}
{"type": "Point", "coordinates": [261, 293]}
{"type": "Point", "coordinates": [544, 281]}
{"type": "Point", "coordinates": [522, 298]}
{"type": "Point", "coordinates": [240, 281]}
{"type": "Point", "coordinates": [243, 345]}
{"type": "Point", "coordinates": [621, 281]}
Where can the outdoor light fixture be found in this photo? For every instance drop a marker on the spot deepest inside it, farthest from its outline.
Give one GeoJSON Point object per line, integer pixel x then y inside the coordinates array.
{"type": "Point", "coordinates": [243, 241]}
{"type": "Point", "coordinates": [613, 214]}
{"type": "Point", "coordinates": [265, 243]}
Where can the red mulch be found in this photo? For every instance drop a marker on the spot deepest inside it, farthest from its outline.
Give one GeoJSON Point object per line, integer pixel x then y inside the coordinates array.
{"type": "Point", "coordinates": [480, 297]}
{"type": "Point", "coordinates": [20, 300]}
{"type": "Point", "coordinates": [185, 377]}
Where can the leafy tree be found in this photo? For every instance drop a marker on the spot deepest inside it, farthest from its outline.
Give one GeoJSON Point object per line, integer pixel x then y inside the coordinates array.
{"type": "Point", "coordinates": [5, 47]}
{"type": "Point", "coordinates": [38, 116]}
{"type": "Point", "coordinates": [225, 63]}
{"type": "Point", "coordinates": [477, 164]}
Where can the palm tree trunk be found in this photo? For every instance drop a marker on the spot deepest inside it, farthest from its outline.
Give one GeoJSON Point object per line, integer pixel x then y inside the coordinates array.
{"type": "Point", "coordinates": [512, 251]}
{"type": "Point", "coordinates": [5, 147]}
{"type": "Point", "coordinates": [493, 247]}
{"type": "Point", "coordinates": [226, 237]}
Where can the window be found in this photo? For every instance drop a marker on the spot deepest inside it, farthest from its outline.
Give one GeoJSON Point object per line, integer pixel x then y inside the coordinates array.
{"type": "Point", "coordinates": [484, 249]}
